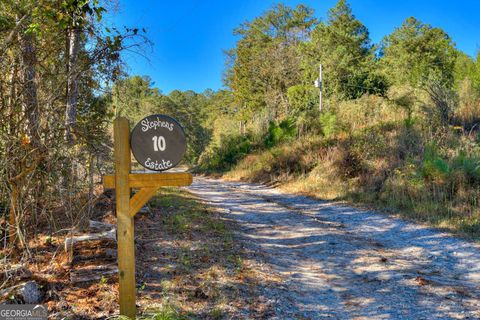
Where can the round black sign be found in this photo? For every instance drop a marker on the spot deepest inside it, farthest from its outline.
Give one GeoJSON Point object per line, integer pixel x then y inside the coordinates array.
{"type": "Point", "coordinates": [158, 142]}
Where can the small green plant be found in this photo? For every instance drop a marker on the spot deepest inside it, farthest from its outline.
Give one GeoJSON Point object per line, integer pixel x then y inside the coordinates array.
{"type": "Point", "coordinates": [216, 314]}
{"type": "Point", "coordinates": [177, 222]}
{"type": "Point", "coordinates": [469, 166]}
{"type": "Point", "coordinates": [434, 167]}
{"type": "Point", "coordinates": [328, 120]}
{"type": "Point", "coordinates": [409, 122]}
{"type": "Point", "coordinates": [168, 312]}
{"type": "Point", "coordinates": [284, 131]}
{"type": "Point", "coordinates": [236, 261]}
{"type": "Point", "coordinates": [48, 240]}
{"type": "Point", "coordinates": [215, 225]}
{"type": "Point", "coordinates": [185, 258]}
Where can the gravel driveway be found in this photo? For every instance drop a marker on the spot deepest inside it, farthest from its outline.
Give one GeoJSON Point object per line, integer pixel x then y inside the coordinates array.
{"type": "Point", "coordinates": [339, 262]}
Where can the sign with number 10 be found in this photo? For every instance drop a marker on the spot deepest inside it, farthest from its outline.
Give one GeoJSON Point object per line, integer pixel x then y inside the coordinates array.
{"type": "Point", "coordinates": [158, 142]}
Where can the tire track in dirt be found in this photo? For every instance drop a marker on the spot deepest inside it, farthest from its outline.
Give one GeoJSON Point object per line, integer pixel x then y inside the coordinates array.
{"type": "Point", "coordinates": [340, 262]}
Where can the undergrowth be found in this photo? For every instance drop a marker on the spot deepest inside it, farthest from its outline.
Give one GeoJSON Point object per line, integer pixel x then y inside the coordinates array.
{"type": "Point", "coordinates": [388, 165]}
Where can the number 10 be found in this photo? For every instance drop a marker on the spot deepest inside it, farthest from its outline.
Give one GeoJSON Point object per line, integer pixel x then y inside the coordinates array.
{"type": "Point", "coordinates": [159, 143]}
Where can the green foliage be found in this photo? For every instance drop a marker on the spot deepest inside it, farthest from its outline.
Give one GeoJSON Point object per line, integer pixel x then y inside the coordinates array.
{"type": "Point", "coordinates": [265, 60]}
{"type": "Point", "coordinates": [434, 167]}
{"type": "Point", "coordinates": [328, 120]}
{"type": "Point", "coordinates": [302, 99]}
{"type": "Point", "coordinates": [467, 85]}
{"type": "Point", "coordinates": [227, 153]}
{"type": "Point", "coordinates": [343, 46]}
{"type": "Point", "coordinates": [416, 52]}
{"type": "Point", "coordinates": [465, 68]}
{"type": "Point", "coordinates": [366, 83]}
{"type": "Point", "coordinates": [284, 131]}
{"type": "Point", "coordinates": [469, 165]}
{"type": "Point", "coordinates": [304, 107]}
{"type": "Point", "coordinates": [134, 97]}
{"type": "Point", "coordinates": [167, 312]}
{"type": "Point", "coordinates": [6, 23]}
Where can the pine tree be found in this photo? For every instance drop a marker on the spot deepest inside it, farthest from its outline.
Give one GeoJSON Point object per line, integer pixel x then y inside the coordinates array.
{"type": "Point", "coordinates": [342, 45]}
{"type": "Point", "coordinates": [416, 53]}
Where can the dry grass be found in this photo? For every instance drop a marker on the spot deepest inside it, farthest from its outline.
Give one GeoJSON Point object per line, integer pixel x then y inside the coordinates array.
{"type": "Point", "coordinates": [386, 166]}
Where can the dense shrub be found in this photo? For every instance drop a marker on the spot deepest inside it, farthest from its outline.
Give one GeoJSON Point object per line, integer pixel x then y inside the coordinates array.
{"type": "Point", "coordinates": [469, 165]}
{"type": "Point", "coordinates": [434, 168]}
{"type": "Point", "coordinates": [228, 152]}
{"type": "Point", "coordinates": [284, 131]}
{"type": "Point", "coordinates": [328, 121]}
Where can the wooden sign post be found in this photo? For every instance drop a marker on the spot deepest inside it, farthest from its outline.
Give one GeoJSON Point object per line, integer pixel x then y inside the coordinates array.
{"type": "Point", "coordinates": [147, 185]}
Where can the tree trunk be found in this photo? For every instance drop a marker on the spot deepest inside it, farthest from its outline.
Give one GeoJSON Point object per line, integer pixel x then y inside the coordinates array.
{"type": "Point", "coordinates": [72, 81]}
{"type": "Point", "coordinates": [29, 93]}
{"type": "Point", "coordinates": [12, 99]}
{"type": "Point", "coordinates": [12, 219]}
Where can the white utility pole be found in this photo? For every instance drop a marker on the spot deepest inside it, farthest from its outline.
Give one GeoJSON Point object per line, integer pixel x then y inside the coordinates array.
{"type": "Point", "coordinates": [320, 86]}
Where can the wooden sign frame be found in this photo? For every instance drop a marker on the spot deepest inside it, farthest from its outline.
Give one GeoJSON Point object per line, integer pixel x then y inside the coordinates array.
{"type": "Point", "coordinates": [126, 207]}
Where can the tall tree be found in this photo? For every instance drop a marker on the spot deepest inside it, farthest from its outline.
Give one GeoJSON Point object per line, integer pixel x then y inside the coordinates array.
{"type": "Point", "coordinates": [342, 45]}
{"type": "Point", "coordinates": [416, 52]}
{"type": "Point", "coordinates": [135, 97]}
{"type": "Point", "coordinates": [266, 61]}
{"type": "Point", "coordinates": [28, 63]}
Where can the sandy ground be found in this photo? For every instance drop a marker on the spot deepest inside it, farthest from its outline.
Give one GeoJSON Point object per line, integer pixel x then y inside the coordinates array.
{"type": "Point", "coordinates": [339, 262]}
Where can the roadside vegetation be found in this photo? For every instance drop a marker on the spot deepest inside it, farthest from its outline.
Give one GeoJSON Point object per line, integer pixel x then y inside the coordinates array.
{"type": "Point", "coordinates": [399, 125]}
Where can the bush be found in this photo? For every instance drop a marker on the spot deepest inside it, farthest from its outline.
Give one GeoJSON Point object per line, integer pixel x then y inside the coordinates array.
{"type": "Point", "coordinates": [434, 167]}
{"type": "Point", "coordinates": [469, 166]}
{"type": "Point", "coordinates": [228, 152]}
{"type": "Point", "coordinates": [328, 120]}
{"type": "Point", "coordinates": [284, 131]}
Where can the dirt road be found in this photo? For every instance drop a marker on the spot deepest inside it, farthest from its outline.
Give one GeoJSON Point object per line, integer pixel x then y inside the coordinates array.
{"type": "Point", "coordinates": [338, 262]}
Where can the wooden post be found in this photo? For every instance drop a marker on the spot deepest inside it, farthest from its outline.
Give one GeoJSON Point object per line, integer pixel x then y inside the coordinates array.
{"type": "Point", "coordinates": [125, 226]}
{"type": "Point", "coordinates": [146, 185]}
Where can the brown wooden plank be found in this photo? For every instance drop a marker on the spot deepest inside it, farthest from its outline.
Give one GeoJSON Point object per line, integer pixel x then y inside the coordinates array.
{"type": "Point", "coordinates": [125, 235]}
{"type": "Point", "coordinates": [140, 198]}
{"type": "Point", "coordinates": [147, 180]}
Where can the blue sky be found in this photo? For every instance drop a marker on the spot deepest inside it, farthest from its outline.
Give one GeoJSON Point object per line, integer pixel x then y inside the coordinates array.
{"type": "Point", "coordinates": [189, 36]}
